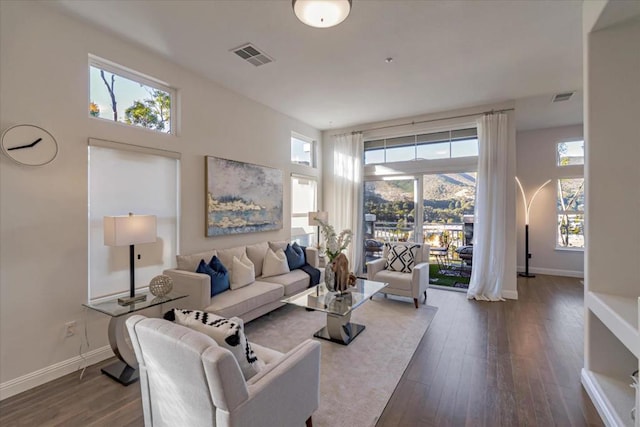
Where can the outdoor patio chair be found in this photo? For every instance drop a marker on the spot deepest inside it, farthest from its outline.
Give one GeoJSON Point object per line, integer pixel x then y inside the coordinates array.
{"type": "Point", "coordinates": [441, 254]}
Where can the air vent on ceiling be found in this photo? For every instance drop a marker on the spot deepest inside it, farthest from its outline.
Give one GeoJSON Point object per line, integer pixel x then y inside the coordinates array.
{"type": "Point", "coordinates": [252, 54]}
{"type": "Point", "coordinates": [559, 97]}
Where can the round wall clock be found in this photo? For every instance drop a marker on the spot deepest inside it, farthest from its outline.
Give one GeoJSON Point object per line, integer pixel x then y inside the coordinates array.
{"type": "Point", "coordinates": [29, 145]}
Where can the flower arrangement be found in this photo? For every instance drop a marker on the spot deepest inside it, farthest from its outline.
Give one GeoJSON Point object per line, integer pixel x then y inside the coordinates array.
{"type": "Point", "coordinates": [334, 244]}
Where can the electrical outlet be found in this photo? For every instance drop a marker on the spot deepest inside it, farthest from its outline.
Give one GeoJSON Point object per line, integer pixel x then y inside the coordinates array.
{"type": "Point", "coordinates": [70, 328]}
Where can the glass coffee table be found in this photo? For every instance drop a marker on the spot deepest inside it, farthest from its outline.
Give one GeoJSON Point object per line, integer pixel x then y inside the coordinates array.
{"type": "Point", "coordinates": [339, 328]}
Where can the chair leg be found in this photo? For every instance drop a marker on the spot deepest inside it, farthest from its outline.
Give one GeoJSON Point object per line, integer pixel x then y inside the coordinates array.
{"type": "Point", "coordinates": [425, 297]}
{"type": "Point", "coordinates": [415, 302]}
{"type": "Point", "coordinates": [309, 422]}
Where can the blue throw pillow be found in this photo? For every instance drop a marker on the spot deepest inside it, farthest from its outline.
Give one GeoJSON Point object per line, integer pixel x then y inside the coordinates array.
{"type": "Point", "coordinates": [219, 279]}
{"type": "Point", "coordinates": [295, 256]}
{"type": "Point", "coordinates": [217, 265]}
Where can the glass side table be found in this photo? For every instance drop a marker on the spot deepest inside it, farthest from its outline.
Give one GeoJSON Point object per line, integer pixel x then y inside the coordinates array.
{"type": "Point", "coordinates": [125, 370]}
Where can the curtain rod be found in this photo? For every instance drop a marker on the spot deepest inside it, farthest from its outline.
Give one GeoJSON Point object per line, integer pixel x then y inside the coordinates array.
{"type": "Point", "coordinates": [486, 113]}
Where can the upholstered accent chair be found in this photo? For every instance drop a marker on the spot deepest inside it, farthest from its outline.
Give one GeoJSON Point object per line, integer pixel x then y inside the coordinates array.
{"type": "Point", "coordinates": [186, 379]}
{"type": "Point", "coordinates": [411, 284]}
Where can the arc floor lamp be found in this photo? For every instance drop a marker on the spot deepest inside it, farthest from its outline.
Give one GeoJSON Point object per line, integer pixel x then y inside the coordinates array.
{"type": "Point", "coordinates": [527, 209]}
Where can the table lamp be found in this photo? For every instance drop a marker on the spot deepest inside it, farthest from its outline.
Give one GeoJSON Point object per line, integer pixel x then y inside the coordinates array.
{"type": "Point", "coordinates": [130, 230]}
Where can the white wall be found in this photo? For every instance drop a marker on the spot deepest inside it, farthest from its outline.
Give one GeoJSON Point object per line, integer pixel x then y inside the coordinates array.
{"type": "Point", "coordinates": [613, 190]}
{"type": "Point", "coordinates": [440, 122]}
{"type": "Point", "coordinates": [536, 163]}
{"type": "Point", "coordinates": [43, 211]}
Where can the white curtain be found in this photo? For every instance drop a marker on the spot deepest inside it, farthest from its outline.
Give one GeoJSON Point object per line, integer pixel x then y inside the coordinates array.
{"type": "Point", "coordinates": [343, 191]}
{"type": "Point", "coordinates": [490, 225]}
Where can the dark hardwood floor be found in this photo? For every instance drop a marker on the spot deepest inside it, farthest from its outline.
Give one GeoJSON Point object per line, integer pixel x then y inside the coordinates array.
{"type": "Point", "coordinates": [515, 363]}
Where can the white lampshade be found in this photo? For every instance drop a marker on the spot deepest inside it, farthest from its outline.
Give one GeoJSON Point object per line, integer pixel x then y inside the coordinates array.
{"type": "Point", "coordinates": [315, 216]}
{"type": "Point", "coordinates": [129, 230]}
{"type": "Point", "coordinates": [322, 13]}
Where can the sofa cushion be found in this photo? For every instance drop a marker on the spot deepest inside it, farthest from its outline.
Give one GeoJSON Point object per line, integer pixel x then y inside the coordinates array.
{"type": "Point", "coordinates": [256, 254]}
{"type": "Point", "coordinates": [395, 279]}
{"type": "Point", "coordinates": [243, 272]}
{"type": "Point", "coordinates": [243, 300]}
{"type": "Point", "coordinates": [226, 256]}
{"type": "Point", "coordinates": [227, 333]}
{"type": "Point", "coordinates": [190, 262]}
{"type": "Point", "coordinates": [401, 257]}
{"type": "Point", "coordinates": [293, 282]}
{"type": "Point", "coordinates": [265, 354]}
{"type": "Point", "coordinates": [295, 256]}
{"type": "Point", "coordinates": [275, 263]}
{"type": "Point", "coordinates": [281, 244]}
{"type": "Point", "coordinates": [218, 274]}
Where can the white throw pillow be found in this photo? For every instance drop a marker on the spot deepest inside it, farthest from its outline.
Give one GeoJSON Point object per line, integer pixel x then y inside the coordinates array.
{"type": "Point", "coordinates": [401, 257]}
{"type": "Point", "coordinates": [242, 272]}
{"type": "Point", "coordinates": [275, 263]}
{"type": "Point", "coordinates": [227, 333]}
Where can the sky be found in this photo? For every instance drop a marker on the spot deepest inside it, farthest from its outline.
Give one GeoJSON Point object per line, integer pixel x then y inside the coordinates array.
{"type": "Point", "coordinates": [127, 91]}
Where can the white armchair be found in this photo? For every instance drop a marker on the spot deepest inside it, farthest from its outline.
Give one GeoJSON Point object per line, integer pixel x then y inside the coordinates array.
{"type": "Point", "coordinates": [412, 285]}
{"type": "Point", "coordinates": [186, 379]}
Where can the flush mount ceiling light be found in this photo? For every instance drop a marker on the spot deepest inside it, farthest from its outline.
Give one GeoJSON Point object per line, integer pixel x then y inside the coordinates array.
{"type": "Point", "coordinates": [322, 13]}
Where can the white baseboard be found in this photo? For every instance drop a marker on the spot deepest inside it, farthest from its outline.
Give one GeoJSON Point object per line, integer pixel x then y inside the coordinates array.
{"type": "Point", "coordinates": [50, 373]}
{"type": "Point", "coordinates": [510, 294]}
{"type": "Point", "coordinates": [505, 294]}
{"type": "Point", "coordinates": [447, 288]}
{"type": "Point", "coordinates": [553, 271]}
{"type": "Point", "coordinates": [599, 399]}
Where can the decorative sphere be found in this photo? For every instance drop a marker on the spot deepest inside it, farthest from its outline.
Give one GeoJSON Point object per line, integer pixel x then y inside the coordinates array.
{"type": "Point", "coordinates": [161, 285]}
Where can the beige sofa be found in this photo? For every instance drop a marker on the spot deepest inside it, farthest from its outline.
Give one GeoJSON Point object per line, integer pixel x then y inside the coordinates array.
{"type": "Point", "coordinates": [248, 302]}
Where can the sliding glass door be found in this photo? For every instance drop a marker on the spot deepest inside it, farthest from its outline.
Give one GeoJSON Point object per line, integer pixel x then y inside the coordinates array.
{"type": "Point", "coordinates": [389, 213]}
{"type": "Point", "coordinates": [432, 208]}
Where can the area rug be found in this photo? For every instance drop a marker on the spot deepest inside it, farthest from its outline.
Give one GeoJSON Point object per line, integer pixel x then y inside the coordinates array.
{"type": "Point", "coordinates": [357, 380]}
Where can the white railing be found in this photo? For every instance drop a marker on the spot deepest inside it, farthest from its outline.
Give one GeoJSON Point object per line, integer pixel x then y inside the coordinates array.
{"type": "Point", "coordinates": [436, 234]}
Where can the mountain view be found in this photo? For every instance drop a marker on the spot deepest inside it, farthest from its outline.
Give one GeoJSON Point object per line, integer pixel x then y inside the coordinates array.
{"type": "Point", "coordinates": [446, 197]}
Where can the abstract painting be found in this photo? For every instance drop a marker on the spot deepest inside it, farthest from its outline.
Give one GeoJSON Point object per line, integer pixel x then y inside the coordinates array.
{"type": "Point", "coordinates": [242, 197]}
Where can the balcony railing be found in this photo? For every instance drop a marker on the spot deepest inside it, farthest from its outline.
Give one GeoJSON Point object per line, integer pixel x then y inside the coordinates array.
{"type": "Point", "coordinates": [435, 234]}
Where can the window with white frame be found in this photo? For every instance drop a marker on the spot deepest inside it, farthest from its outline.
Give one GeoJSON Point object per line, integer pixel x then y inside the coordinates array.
{"type": "Point", "coordinates": [113, 167]}
{"type": "Point", "coordinates": [570, 194]}
{"type": "Point", "coordinates": [570, 208]}
{"type": "Point", "coordinates": [303, 150]}
{"type": "Point", "coordinates": [304, 195]}
{"type": "Point", "coordinates": [427, 146]}
{"type": "Point", "coordinates": [122, 95]}
{"type": "Point", "coordinates": [570, 153]}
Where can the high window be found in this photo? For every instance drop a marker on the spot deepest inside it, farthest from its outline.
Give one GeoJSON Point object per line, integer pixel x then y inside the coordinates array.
{"type": "Point", "coordinates": [570, 153]}
{"type": "Point", "coordinates": [303, 150]}
{"type": "Point", "coordinates": [304, 195]}
{"type": "Point", "coordinates": [570, 194]}
{"type": "Point", "coordinates": [125, 96]}
{"type": "Point", "coordinates": [426, 146]}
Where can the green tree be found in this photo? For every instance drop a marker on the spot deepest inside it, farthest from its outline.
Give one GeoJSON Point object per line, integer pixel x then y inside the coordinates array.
{"type": "Point", "coordinates": [94, 109]}
{"type": "Point", "coordinates": [151, 113]}
{"type": "Point", "coordinates": [562, 150]}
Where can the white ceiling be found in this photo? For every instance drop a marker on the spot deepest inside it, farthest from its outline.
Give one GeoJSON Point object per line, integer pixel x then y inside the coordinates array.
{"type": "Point", "coordinates": [446, 54]}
